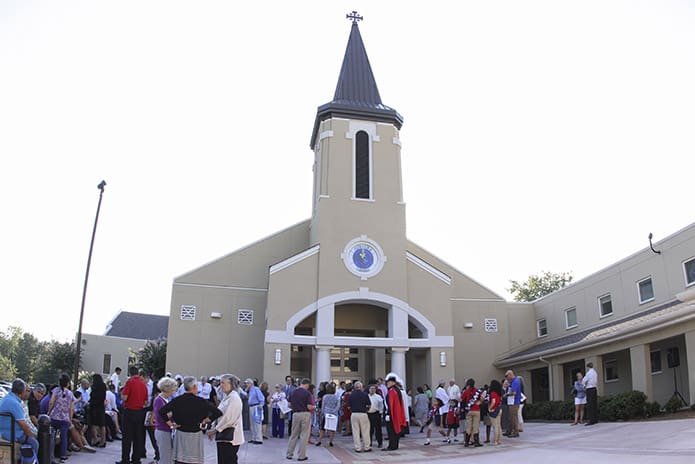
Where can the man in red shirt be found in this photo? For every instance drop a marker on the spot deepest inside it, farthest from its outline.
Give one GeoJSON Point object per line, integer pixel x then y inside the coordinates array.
{"type": "Point", "coordinates": [134, 395]}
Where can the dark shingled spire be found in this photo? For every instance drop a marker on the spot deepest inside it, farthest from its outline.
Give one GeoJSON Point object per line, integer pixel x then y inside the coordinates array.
{"type": "Point", "coordinates": [356, 95]}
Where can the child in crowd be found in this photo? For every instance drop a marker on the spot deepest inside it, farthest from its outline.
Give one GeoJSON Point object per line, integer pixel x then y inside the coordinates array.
{"type": "Point", "coordinates": [452, 420]}
{"type": "Point", "coordinates": [430, 423]}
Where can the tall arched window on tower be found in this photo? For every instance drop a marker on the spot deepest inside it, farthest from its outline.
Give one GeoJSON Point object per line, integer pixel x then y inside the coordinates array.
{"type": "Point", "coordinates": [362, 166]}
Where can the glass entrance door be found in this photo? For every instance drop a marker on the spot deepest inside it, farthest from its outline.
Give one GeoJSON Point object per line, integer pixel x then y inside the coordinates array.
{"type": "Point", "coordinates": [346, 364]}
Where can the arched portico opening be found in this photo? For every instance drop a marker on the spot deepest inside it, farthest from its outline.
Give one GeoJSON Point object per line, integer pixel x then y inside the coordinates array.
{"type": "Point", "coordinates": [361, 335]}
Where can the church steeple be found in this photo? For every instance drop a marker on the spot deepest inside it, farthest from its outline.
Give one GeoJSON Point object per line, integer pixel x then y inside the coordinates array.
{"type": "Point", "coordinates": [356, 94]}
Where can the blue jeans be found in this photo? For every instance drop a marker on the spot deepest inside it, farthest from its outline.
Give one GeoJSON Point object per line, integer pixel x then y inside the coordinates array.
{"type": "Point", "coordinates": [64, 427]}
{"type": "Point", "coordinates": [31, 441]}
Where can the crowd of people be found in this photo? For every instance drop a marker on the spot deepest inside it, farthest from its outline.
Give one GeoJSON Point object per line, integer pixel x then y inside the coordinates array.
{"type": "Point", "coordinates": [174, 410]}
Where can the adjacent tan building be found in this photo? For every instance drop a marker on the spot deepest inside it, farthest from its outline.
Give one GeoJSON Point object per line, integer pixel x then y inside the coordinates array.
{"type": "Point", "coordinates": [345, 295]}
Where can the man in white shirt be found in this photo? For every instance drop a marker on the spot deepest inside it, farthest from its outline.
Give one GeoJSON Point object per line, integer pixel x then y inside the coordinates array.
{"type": "Point", "coordinates": [374, 413]}
{"type": "Point", "coordinates": [115, 378]}
{"type": "Point", "coordinates": [591, 382]}
{"type": "Point", "coordinates": [204, 388]}
{"type": "Point", "coordinates": [112, 410]}
{"type": "Point", "coordinates": [454, 391]}
{"type": "Point", "coordinates": [443, 397]}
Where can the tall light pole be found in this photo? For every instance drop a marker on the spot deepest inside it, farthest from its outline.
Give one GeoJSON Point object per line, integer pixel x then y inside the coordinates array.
{"type": "Point", "coordinates": [101, 186]}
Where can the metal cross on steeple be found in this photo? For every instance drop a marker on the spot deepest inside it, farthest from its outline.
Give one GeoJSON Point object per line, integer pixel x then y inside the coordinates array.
{"type": "Point", "coordinates": [354, 17]}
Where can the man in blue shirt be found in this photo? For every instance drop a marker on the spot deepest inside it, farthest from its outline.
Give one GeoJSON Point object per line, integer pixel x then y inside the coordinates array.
{"type": "Point", "coordinates": [256, 401]}
{"type": "Point", "coordinates": [12, 403]}
{"type": "Point", "coordinates": [513, 396]}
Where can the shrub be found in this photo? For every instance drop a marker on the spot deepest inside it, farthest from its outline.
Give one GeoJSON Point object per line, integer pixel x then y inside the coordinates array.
{"type": "Point", "coordinates": [652, 409]}
{"type": "Point", "coordinates": [549, 410]}
{"type": "Point", "coordinates": [673, 405]}
{"type": "Point", "coordinates": [623, 406]}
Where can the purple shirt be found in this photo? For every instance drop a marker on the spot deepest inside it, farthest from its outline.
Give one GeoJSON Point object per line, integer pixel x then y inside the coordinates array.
{"type": "Point", "coordinates": [159, 423]}
{"type": "Point", "coordinates": [300, 399]}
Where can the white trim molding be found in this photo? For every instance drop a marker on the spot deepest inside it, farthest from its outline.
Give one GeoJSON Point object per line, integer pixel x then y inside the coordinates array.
{"type": "Point", "coordinates": [325, 134]}
{"type": "Point", "coordinates": [224, 287]}
{"type": "Point", "coordinates": [428, 267]}
{"type": "Point", "coordinates": [363, 295]}
{"type": "Point", "coordinates": [294, 259]}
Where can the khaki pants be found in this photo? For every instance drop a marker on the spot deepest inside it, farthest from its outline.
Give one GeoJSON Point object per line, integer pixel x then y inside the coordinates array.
{"type": "Point", "coordinates": [513, 419]}
{"type": "Point", "coordinates": [472, 422]}
{"type": "Point", "coordinates": [497, 425]}
{"type": "Point", "coordinates": [301, 426]}
{"type": "Point", "coordinates": [360, 431]}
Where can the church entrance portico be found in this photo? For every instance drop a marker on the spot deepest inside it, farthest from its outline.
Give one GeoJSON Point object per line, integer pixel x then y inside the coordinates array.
{"type": "Point", "coordinates": [359, 335]}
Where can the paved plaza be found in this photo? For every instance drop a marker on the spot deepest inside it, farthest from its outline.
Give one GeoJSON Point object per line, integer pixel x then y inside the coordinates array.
{"type": "Point", "coordinates": [663, 442]}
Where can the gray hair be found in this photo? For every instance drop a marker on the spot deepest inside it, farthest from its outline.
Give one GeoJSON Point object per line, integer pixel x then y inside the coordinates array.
{"type": "Point", "coordinates": [167, 384]}
{"type": "Point", "coordinates": [18, 386]}
{"type": "Point", "coordinates": [232, 379]}
{"type": "Point", "coordinates": [39, 387]}
{"type": "Point", "coordinates": [189, 382]}
{"type": "Point", "coordinates": [358, 385]}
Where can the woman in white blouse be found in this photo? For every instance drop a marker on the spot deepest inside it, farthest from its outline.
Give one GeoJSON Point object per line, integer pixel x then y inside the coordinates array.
{"type": "Point", "coordinates": [231, 417]}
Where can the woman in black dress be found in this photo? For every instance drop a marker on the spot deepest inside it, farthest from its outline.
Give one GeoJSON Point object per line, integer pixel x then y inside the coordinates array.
{"type": "Point", "coordinates": [97, 411]}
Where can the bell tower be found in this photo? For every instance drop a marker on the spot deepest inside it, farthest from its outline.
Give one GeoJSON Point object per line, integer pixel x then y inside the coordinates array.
{"type": "Point", "coordinates": [358, 212]}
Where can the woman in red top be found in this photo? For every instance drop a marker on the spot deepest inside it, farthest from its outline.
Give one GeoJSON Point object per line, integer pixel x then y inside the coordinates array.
{"type": "Point", "coordinates": [495, 409]}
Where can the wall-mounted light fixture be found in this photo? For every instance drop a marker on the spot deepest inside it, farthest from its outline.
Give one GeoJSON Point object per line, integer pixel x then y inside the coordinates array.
{"type": "Point", "coordinates": [278, 356]}
{"type": "Point", "coordinates": [467, 325]}
{"type": "Point", "coordinates": [216, 315]}
{"type": "Point", "coordinates": [658, 252]}
{"type": "Point", "coordinates": [442, 358]}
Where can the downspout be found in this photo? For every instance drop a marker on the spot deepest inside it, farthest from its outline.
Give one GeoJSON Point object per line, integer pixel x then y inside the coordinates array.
{"type": "Point", "coordinates": [550, 377]}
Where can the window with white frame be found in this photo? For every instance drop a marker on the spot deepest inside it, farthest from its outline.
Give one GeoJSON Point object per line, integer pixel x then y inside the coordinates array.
{"type": "Point", "coordinates": [188, 312]}
{"type": "Point", "coordinates": [655, 357]}
{"type": "Point", "coordinates": [542, 327]}
{"type": "Point", "coordinates": [689, 269]}
{"type": "Point", "coordinates": [645, 290]}
{"type": "Point", "coordinates": [245, 317]}
{"type": "Point", "coordinates": [605, 305]}
{"type": "Point", "coordinates": [610, 368]}
{"type": "Point", "coordinates": [362, 166]}
{"type": "Point", "coordinates": [571, 318]}
{"type": "Point", "coordinates": [490, 325]}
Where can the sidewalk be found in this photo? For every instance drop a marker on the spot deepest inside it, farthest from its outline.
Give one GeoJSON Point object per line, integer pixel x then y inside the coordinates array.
{"type": "Point", "coordinates": [665, 442]}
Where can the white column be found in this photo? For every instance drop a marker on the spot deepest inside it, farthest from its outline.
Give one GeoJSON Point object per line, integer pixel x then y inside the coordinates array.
{"type": "Point", "coordinates": [325, 324]}
{"type": "Point", "coordinates": [398, 326]}
{"type": "Point", "coordinates": [690, 359]}
{"type": "Point", "coordinates": [398, 363]}
{"type": "Point", "coordinates": [323, 363]}
{"type": "Point", "coordinates": [641, 367]}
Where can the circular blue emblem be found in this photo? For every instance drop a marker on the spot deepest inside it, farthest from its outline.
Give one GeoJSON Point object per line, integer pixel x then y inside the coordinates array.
{"type": "Point", "coordinates": [363, 258]}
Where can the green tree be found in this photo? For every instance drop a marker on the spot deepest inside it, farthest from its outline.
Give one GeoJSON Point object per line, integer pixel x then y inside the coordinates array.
{"type": "Point", "coordinates": [57, 358]}
{"type": "Point", "coordinates": [28, 357]}
{"type": "Point", "coordinates": [7, 369]}
{"type": "Point", "coordinates": [152, 358]}
{"type": "Point", "coordinates": [537, 286]}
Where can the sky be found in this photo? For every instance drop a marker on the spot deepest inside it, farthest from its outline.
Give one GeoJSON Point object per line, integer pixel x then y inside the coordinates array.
{"type": "Point", "coordinates": [538, 135]}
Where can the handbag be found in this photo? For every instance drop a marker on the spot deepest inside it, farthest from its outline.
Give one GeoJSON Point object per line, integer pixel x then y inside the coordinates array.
{"type": "Point", "coordinates": [331, 422]}
{"type": "Point", "coordinates": [225, 435]}
{"type": "Point", "coordinates": [494, 413]}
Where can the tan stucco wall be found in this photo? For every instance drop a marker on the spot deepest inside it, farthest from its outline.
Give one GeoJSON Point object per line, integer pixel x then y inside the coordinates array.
{"type": "Point", "coordinates": [95, 346]}
{"type": "Point", "coordinates": [291, 289]}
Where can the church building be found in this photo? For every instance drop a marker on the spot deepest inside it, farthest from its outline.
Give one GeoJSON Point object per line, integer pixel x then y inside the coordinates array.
{"type": "Point", "coordinates": [345, 295]}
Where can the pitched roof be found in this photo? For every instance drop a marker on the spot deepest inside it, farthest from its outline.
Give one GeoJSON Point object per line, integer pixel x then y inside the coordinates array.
{"type": "Point", "coordinates": [138, 325]}
{"type": "Point", "coordinates": [356, 94]}
{"type": "Point", "coordinates": [605, 332]}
